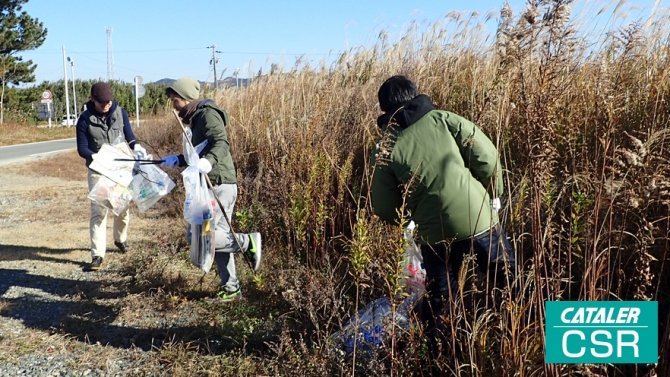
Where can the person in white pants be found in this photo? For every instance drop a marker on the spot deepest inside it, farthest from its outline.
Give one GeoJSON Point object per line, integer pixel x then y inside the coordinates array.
{"type": "Point", "coordinates": [104, 122]}
{"type": "Point", "coordinates": [98, 224]}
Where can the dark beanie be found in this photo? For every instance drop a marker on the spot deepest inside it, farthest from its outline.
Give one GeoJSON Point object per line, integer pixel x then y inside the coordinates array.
{"type": "Point", "coordinates": [101, 92]}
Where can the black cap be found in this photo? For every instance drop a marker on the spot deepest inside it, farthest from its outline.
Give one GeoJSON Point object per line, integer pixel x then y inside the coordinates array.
{"type": "Point", "coordinates": [101, 92]}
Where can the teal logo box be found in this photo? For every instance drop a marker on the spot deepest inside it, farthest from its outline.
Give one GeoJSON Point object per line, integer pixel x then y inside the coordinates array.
{"type": "Point", "coordinates": [599, 332]}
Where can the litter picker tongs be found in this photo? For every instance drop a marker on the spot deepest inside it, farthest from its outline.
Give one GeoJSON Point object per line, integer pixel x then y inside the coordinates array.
{"type": "Point", "coordinates": [142, 162]}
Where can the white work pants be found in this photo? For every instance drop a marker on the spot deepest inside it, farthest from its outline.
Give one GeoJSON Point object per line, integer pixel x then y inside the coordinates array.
{"type": "Point", "coordinates": [98, 224]}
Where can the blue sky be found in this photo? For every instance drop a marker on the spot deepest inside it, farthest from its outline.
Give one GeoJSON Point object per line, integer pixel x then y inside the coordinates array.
{"type": "Point", "coordinates": [159, 39]}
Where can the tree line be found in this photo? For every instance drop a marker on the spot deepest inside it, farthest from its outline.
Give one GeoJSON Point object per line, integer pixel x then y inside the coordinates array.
{"type": "Point", "coordinates": [18, 32]}
{"type": "Point", "coordinates": [24, 104]}
{"type": "Point", "coordinates": [21, 32]}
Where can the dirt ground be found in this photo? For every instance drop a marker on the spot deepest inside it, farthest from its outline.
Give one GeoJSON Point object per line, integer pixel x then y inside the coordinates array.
{"type": "Point", "coordinates": [58, 318]}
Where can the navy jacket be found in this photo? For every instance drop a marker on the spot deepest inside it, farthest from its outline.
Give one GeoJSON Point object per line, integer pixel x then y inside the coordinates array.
{"type": "Point", "coordinates": [85, 140]}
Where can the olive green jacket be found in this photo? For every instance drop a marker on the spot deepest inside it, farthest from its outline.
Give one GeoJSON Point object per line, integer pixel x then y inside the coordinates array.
{"type": "Point", "coordinates": [441, 166]}
{"type": "Point", "coordinates": [209, 123]}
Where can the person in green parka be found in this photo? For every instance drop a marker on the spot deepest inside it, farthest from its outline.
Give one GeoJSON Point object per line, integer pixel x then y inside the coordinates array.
{"type": "Point", "coordinates": [447, 173]}
{"type": "Point", "coordinates": [208, 122]}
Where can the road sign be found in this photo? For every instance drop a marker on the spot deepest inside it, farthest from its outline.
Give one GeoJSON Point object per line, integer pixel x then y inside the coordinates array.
{"type": "Point", "coordinates": [139, 90]}
{"type": "Point", "coordinates": [46, 96]}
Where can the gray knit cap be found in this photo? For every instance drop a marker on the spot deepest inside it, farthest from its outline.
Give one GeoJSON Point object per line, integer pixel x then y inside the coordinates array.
{"type": "Point", "coordinates": [187, 88]}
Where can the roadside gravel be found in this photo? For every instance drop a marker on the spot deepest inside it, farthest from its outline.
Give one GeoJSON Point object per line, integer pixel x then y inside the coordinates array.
{"type": "Point", "coordinates": [58, 319]}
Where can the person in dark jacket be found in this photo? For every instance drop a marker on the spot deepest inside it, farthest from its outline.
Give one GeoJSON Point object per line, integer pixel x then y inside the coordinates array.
{"type": "Point", "coordinates": [103, 122]}
{"type": "Point", "coordinates": [448, 174]}
{"type": "Point", "coordinates": [208, 122]}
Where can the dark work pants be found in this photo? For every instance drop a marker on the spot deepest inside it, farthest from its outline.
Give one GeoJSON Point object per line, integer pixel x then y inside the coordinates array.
{"type": "Point", "coordinates": [443, 263]}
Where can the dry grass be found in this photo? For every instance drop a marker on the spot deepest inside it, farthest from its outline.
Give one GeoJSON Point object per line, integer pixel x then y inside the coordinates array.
{"type": "Point", "coordinates": [19, 133]}
{"type": "Point", "coordinates": [582, 131]}
{"type": "Point", "coordinates": [67, 165]}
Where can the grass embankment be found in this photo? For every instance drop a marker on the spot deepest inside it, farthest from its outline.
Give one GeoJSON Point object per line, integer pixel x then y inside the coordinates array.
{"type": "Point", "coordinates": [20, 133]}
{"type": "Point", "coordinates": [581, 121]}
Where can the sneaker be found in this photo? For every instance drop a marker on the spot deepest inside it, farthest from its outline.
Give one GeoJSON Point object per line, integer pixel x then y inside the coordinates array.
{"type": "Point", "coordinates": [254, 250]}
{"type": "Point", "coordinates": [95, 264]}
{"type": "Point", "coordinates": [226, 296]}
{"type": "Point", "coordinates": [123, 247]}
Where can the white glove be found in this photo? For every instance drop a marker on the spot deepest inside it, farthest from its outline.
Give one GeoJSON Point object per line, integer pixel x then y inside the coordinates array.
{"type": "Point", "coordinates": [140, 152]}
{"type": "Point", "coordinates": [204, 166]}
{"type": "Point", "coordinates": [495, 204]}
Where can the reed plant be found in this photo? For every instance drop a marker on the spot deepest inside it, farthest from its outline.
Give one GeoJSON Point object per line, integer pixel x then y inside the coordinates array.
{"type": "Point", "coordinates": [581, 123]}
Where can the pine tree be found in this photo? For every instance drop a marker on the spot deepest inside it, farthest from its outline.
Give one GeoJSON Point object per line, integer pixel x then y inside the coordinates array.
{"type": "Point", "coordinates": [18, 32]}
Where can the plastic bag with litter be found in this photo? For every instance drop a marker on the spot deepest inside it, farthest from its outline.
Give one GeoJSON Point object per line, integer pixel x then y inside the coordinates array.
{"type": "Point", "coordinates": [371, 325]}
{"type": "Point", "coordinates": [111, 195]}
{"type": "Point", "coordinates": [414, 272]}
{"type": "Point", "coordinates": [200, 208]}
{"type": "Point", "coordinates": [149, 185]}
{"type": "Point", "coordinates": [104, 162]}
{"type": "Point", "coordinates": [192, 181]}
{"type": "Point", "coordinates": [203, 231]}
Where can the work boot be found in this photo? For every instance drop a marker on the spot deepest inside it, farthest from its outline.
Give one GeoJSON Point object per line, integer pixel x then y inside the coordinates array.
{"type": "Point", "coordinates": [95, 264]}
{"type": "Point", "coordinates": [123, 247]}
{"type": "Point", "coordinates": [254, 250]}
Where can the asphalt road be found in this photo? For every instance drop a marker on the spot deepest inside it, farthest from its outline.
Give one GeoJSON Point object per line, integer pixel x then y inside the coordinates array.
{"type": "Point", "coordinates": [26, 152]}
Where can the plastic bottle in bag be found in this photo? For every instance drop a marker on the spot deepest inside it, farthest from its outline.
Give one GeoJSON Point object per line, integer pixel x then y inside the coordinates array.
{"type": "Point", "coordinates": [368, 329]}
{"type": "Point", "coordinates": [207, 230]}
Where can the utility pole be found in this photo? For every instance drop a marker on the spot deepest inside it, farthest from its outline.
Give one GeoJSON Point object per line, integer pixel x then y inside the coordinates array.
{"type": "Point", "coordinates": [67, 96]}
{"type": "Point", "coordinates": [74, 88]}
{"type": "Point", "coordinates": [110, 55]}
{"type": "Point", "coordinates": [213, 62]}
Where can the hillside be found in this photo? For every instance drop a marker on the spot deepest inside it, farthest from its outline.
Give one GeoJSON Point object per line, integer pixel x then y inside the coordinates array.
{"type": "Point", "coordinates": [227, 82]}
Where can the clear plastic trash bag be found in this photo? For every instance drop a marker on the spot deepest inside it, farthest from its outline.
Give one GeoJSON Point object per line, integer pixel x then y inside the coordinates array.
{"type": "Point", "coordinates": [414, 272]}
{"type": "Point", "coordinates": [369, 328]}
{"type": "Point", "coordinates": [111, 195]}
{"type": "Point", "coordinates": [149, 185]}
{"type": "Point", "coordinates": [203, 231]}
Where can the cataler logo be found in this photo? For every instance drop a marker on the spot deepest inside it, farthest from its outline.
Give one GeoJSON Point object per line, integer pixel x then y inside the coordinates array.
{"type": "Point", "coordinates": [598, 332]}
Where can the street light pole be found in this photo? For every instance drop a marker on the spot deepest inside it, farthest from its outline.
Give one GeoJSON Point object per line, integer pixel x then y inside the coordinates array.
{"type": "Point", "coordinates": [74, 88]}
{"type": "Point", "coordinates": [237, 80]}
{"type": "Point", "coordinates": [67, 96]}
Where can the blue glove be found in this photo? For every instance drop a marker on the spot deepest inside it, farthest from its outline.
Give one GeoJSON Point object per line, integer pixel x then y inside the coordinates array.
{"type": "Point", "coordinates": [170, 162]}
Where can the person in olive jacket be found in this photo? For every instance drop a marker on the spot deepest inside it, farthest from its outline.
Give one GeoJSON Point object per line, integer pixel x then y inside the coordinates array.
{"type": "Point", "coordinates": [448, 174]}
{"type": "Point", "coordinates": [208, 122]}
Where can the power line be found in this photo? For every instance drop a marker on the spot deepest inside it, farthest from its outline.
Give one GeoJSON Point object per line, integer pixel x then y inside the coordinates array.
{"type": "Point", "coordinates": [50, 71]}
{"type": "Point", "coordinates": [138, 51]}
{"type": "Point", "coordinates": [83, 54]}
{"type": "Point", "coordinates": [58, 51]}
{"type": "Point", "coordinates": [185, 49]}
{"type": "Point", "coordinates": [119, 66]}
{"type": "Point", "coordinates": [271, 53]}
